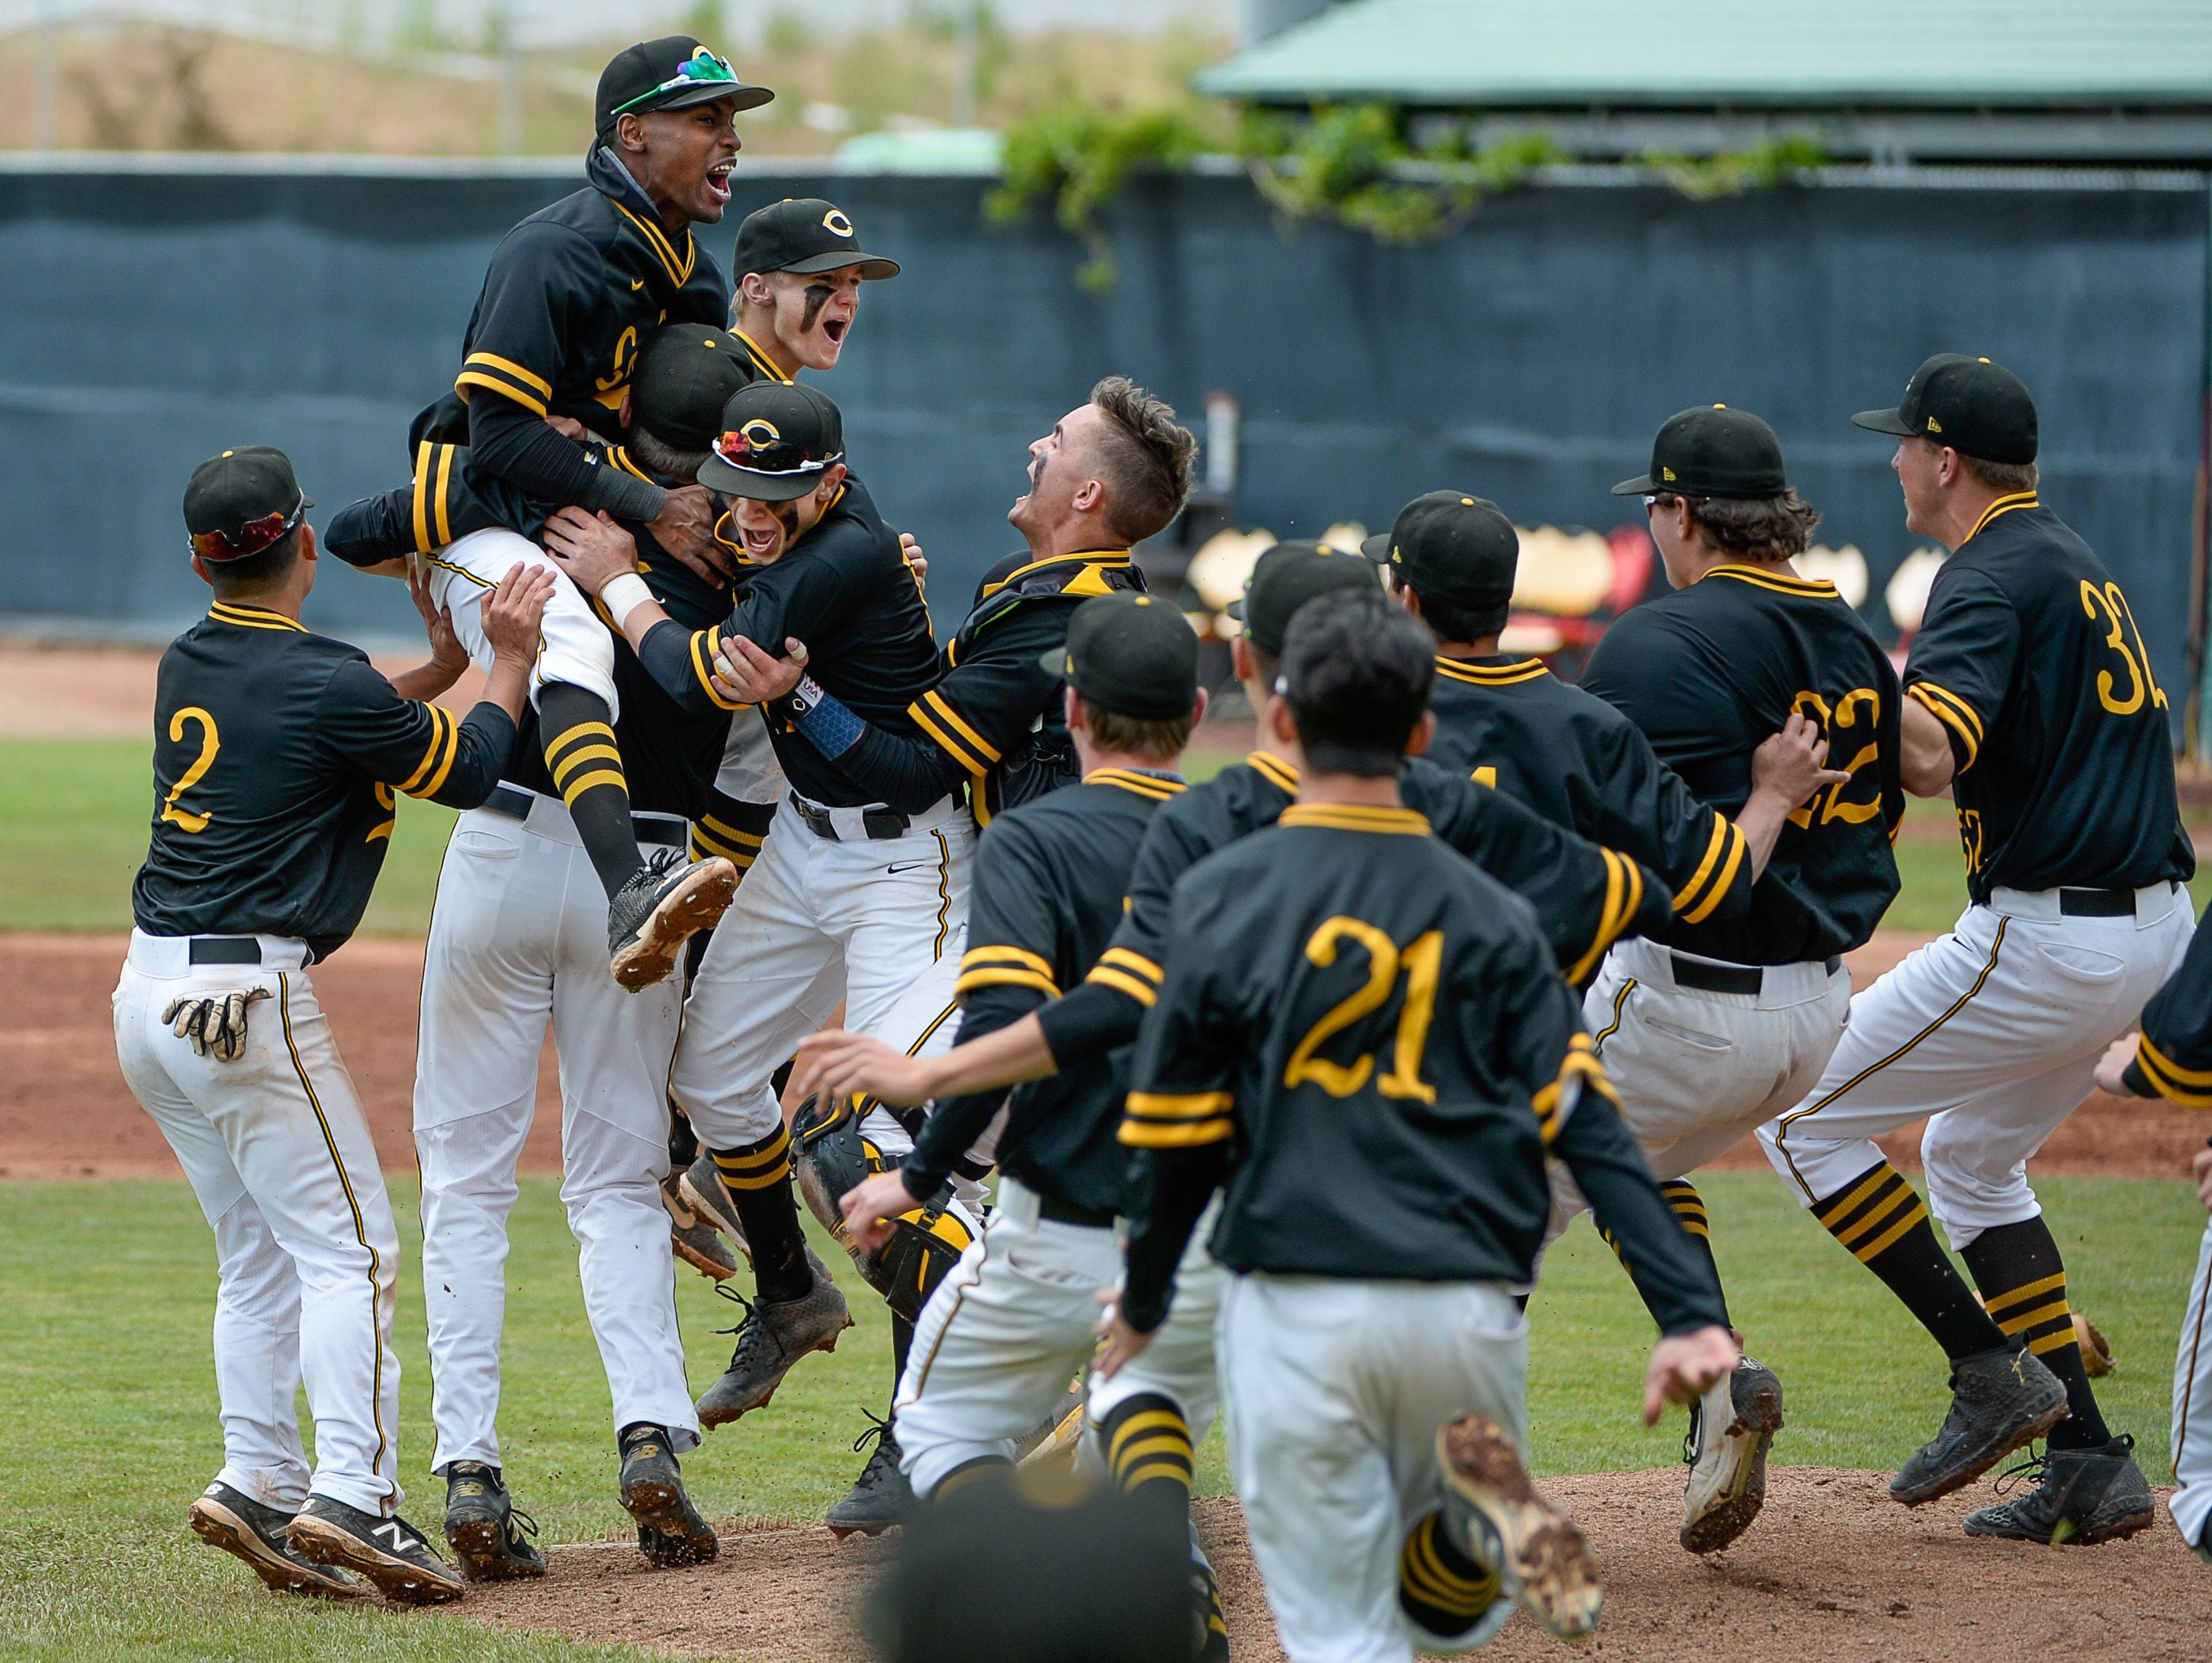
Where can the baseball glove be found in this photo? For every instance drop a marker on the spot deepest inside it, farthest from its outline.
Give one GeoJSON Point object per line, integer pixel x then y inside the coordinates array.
{"type": "Point", "coordinates": [214, 1022]}
{"type": "Point", "coordinates": [2096, 1352]}
{"type": "Point", "coordinates": [831, 1159]}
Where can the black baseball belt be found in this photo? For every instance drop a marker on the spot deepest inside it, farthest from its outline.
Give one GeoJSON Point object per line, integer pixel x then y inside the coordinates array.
{"type": "Point", "coordinates": [2097, 902]}
{"type": "Point", "coordinates": [881, 824]}
{"type": "Point", "coordinates": [225, 950]}
{"type": "Point", "coordinates": [662, 831]}
{"type": "Point", "coordinates": [1059, 1211]}
{"type": "Point", "coordinates": [1746, 979]}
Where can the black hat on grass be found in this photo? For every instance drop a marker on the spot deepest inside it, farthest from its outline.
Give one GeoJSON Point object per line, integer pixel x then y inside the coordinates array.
{"type": "Point", "coordinates": [1129, 654]}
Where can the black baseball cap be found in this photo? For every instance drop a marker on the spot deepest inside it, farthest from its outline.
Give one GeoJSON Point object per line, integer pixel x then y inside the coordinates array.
{"type": "Point", "coordinates": [1131, 654]}
{"type": "Point", "coordinates": [672, 73]}
{"type": "Point", "coordinates": [1974, 406]}
{"type": "Point", "coordinates": [1458, 548]}
{"type": "Point", "coordinates": [240, 503]}
{"type": "Point", "coordinates": [1712, 451]}
{"type": "Point", "coordinates": [1287, 577]}
{"type": "Point", "coordinates": [803, 234]}
{"type": "Point", "coordinates": [776, 439]}
{"type": "Point", "coordinates": [686, 374]}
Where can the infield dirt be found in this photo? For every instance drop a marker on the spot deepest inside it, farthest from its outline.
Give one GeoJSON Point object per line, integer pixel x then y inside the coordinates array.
{"type": "Point", "coordinates": [1832, 1569]}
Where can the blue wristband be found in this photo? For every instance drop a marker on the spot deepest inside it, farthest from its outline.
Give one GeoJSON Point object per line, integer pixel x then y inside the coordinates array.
{"type": "Point", "coordinates": [826, 725]}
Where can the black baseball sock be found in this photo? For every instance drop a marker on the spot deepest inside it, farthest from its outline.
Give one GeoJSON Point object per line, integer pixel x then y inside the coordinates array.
{"type": "Point", "coordinates": [733, 830]}
{"type": "Point", "coordinates": [1881, 1218]}
{"type": "Point", "coordinates": [1689, 1207]}
{"type": "Point", "coordinates": [1148, 1446]}
{"type": "Point", "coordinates": [587, 773]}
{"type": "Point", "coordinates": [901, 1347]}
{"type": "Point", "coordinates": [1442, 1588]}
{"type": "Point", "coordinates": [758, 1179]}
{"type": "Point", "coordinates": [2016, 1267]}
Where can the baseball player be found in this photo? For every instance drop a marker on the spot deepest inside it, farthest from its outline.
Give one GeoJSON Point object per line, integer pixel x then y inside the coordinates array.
{"type": "Point", "coordinates": [571, 295]}
{"type": "Point", "coordinates": [276, 755]}
{"type": "Point", "coordinates": [2032, 702]}
{"type": "Point", "coordinates": [1359, 1038]}
{"type": "Point", "coordinates": [1712, 1024]}
{"type": "Point", "coordinates": [997, 1345]}
{"type": "Point", "coordinates": [2170, 1056]}
{"type": "Point", "coordinates": [513, 948]}
{"type": "Point", "coordinates": [1112, 473]}
{"type": "Point", "coordinates": [1163, 1404]}
{"type": "Point", "coordinates": [849, 889]}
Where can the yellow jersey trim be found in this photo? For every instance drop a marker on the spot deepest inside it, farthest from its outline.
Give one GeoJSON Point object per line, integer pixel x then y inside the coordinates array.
{"type": "Point", "coordinates": [1356, 817]}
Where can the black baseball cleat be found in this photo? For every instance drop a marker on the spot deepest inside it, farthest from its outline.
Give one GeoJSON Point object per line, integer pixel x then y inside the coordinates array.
{"type": "Point", "coordinates": [700, 1187]}
{"type": "Point", "coordinates": [243, 1527]}
{"type": "Point", "coordinates": [670, 1530]}
{"type": "Point", "coordinates": [881, 1497]}
{"type": "Point", "coordinates": [389, 1552]}
{"type": "Point", "coordinates": [695, 1240]}
{"type": "Point", "coordinates": [489, 1538]}
{"type": "Point", "coordinates": [2082, 1497]}
{"type": "Point", "coordinates": [1731, 1427]}
{"type": "Point", "coordinates": [772, 1338]}
{"type": "Point", "coordinates": [1541, 1557]}
{"type": "Point", "coordinates": [2001, 1399]}
{"type": "Point", "coordinates": [666, 901]}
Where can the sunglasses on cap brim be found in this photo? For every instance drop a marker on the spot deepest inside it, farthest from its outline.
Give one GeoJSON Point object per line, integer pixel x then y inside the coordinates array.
{"type": "Point", "coordinates": [249, 539]}
{"type": "Point", "coordinates": [703, 71]}
{"type": "Point", "coordinates": [775, 458]}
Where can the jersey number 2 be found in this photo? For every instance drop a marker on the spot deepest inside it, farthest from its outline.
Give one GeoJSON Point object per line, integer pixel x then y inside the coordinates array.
{"type": "Point", "coordinates": [210, 742]}
{"type": "Point", "coordinates": [1422, 961]}
{"type": "Point", "coordinates": [1851, 723]}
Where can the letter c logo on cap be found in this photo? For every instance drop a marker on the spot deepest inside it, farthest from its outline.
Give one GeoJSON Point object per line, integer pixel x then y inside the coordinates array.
{"type": "Point", "coordinates": [835, 219]}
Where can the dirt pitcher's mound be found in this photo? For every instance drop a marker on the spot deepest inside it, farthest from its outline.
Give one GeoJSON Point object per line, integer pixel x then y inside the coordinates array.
{"type": "Point", "coordinates": [1833, 1569]}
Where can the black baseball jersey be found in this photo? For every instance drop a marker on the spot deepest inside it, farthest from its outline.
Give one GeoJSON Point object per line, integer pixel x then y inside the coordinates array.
{"type": "Point", "coordinates": [2173, 1053]}
{"type": "Point", "coordinates": [276, 755]}
{"type": "Point", "coordinates": [1372, 1026]}
{"type": "Point", "coordinates": [1049, 878]}
{"type": "Point", "coordinates": [1709, 673]}
{"type": "Point", "coordinates": [845, 590]}
{"type": "Point", "coordinates": [1510, 723]}
{"type": "Point", "coordinates": [570, 295]}
{"type": "Point", "coordinates": [2032, 661]}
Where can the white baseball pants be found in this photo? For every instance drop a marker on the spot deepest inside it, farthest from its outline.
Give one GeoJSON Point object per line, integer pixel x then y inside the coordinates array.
{"type": "Point", "coordinates": [890, 914]}
{"type": "Point", "coordinates": [1993, 1032]}
{"type": "Point", "coordinates": [997, 1342]}
{"type": "Point", "coordinates": [518, 940]}
{"type": "Point", "coordinates": [307, 1252]}
{"type": "Point", "coordinates": [2191, 1504]}
{"type": "Point", "coordinates": [1335, 1393]}
{"type": "Point", "coordinates": [1179, 1364]}
{"type": "Point", "coordinates": [574, 645]}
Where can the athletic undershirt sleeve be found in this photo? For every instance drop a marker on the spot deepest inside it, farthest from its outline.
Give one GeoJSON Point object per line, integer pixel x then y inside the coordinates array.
{"type": "Point", "coordinates": [2173, 1056]}
{"type": "Point", "coordinates": [409, 745]}
{"type": "Point", "coordinates": [1006, 972]}
{"type": "Point", "coordinates": [507, 440]}
{"type": "Point", "coordinates": [785, 600]}
{"type": "Point", "coordinates": [1180, 1120]}
{"type": "Point", "coordinates": [1961, 661]}
{"type": "Point", "coordinates": [1644, 808]}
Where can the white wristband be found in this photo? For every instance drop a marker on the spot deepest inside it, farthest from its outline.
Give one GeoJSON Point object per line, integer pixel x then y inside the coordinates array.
{"type": "Point", "coordinates": [623, 596]}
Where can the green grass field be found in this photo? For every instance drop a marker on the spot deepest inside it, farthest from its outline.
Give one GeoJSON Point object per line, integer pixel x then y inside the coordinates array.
{"type": "Point", "coordinates": [73, 831]}
{"type": "Point", "coordinates": [107, 1424]}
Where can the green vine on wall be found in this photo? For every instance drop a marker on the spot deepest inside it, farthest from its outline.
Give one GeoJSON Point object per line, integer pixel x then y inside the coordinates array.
{"type": "Point", "coordinates": [1346, 163]}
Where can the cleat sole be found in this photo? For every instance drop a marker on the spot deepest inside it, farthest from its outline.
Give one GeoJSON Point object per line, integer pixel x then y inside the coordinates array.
{"type": "Point", "coordinates": [1761, 1418]}
{"type": "Point", "coordinates": [395, 1578]}
{"type": "Point", "coordinates": [1542, 1558]}
{"type": "Point", "coordinates": [219, 1528]}
{"type": "Point", "coordinates": [696, 903]}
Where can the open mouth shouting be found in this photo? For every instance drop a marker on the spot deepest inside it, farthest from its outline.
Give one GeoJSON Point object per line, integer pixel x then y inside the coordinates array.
{"type": "Point", "coordinates": [718, 181]}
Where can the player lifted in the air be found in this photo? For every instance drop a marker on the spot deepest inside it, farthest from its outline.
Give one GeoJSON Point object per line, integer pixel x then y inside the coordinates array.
{"type": "Point", "coordinates": [1360, 1040]}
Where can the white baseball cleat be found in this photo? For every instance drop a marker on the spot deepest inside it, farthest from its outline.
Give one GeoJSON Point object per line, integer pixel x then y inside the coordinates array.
{"type": "Point", "coordinates": [1731, 1427]}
